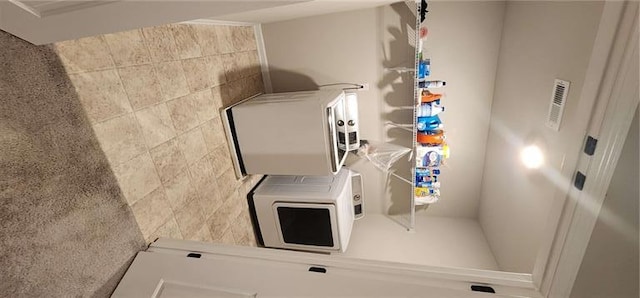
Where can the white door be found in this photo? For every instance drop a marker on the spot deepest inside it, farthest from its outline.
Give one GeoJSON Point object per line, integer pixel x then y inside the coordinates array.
{"type": "Point", "coordinates": [227, 271]}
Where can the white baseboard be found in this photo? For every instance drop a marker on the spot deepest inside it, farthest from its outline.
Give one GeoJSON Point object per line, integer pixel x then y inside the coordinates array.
{"type": "Point", "coordinates": [216, 22]}
{"type": "Point", "coordinates": [262, 55]}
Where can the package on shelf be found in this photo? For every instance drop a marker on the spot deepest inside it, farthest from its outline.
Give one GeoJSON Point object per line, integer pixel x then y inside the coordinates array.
{"type": "Point", "coordinates": [431, 138]}
{"type": "Point", "coordinates": [428, 123]}
{"type": "Point", "coordinates": [431, 156]}
{"type": "Point", "coordinates": [429, 109]}
{"type": "Point", "coordinates": [427, 96]}
{"type": "Point", "coordinates": [428, 184]}
{"type": "Point", "coordinates": [421, 172]}
{"type": "Point", "coordinates": [424, 68]}
{"type": "Point", "coordinates": [426, 200]}
{"type": "Point", "coordinates": [427, 177]}
{"type": "Point", "coordinates": [431, 84]}
{"type": "Point", "coordinates": [426, 195]}
{"type": "Point", "coordinates": [427, 188]}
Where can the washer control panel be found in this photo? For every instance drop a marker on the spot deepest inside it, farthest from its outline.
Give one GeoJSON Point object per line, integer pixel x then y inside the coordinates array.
{"type": "Point", "coordinates": [357, 193]}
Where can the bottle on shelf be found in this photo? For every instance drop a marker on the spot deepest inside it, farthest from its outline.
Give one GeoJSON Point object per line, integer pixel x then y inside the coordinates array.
{"type": "Point", "coordinates": [433, 137]}
{"type": "Point", "coordinates": [427, 97]}
{"type": "Point", "coordinates": [423, 31]}
{"type": "Point", "coordinates": [430, 109]}
{"type": "Point", "coordinates": [426, 172]}
{"type": "Point", "coordinates": [431, 84]}
{"type": "Point", "coordinates": [429, 179]}
{"type": "Point", "coordinates": [424, 68]}
{"type": "Point", "coordinates": [428, 184]}
{"type": "Point", "coordinates": [428, 123]}
{"type": "Point", "coordinates": [431, 149]}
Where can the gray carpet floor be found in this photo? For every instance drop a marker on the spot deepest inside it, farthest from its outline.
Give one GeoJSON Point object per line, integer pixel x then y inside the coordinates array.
{"type": "Point", "coordinates": [65, 228]}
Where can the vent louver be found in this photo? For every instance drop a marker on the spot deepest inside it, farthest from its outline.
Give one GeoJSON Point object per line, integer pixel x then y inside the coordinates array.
{"type": "Point", "coordinates": [558, 101]}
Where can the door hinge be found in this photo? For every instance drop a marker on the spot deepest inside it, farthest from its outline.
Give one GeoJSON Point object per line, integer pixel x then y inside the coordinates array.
{"type": "Point", "coordinates": [579, 180]}
{"type": "Point", "coordinates": [590, 145]}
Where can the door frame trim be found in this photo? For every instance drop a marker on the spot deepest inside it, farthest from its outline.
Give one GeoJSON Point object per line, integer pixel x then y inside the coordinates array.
{"type": "Point", "coordinates": [617, 99]}
{"type": "Point", "coordinates": [606, 113]}
{"type": "Point", "coordinates": [505, 283]}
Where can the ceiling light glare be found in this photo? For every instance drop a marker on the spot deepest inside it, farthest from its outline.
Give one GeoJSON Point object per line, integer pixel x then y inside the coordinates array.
{"type": "Point", "coordinates": [532, 157]}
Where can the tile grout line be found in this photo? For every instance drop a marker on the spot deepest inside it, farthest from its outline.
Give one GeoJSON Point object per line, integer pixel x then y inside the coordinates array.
{"type": "Point", "coordinates": [153, 63]}
{"type": "Point", "coordinates": [114, 68]}
{"type": "Point", "coordinates": [208, 155]}
{"type": "Point", "coordinates": [164, 101]}
{"type": "Point", "coordinates": [146, 144]}
{"type": "Point", "coordinates": [205, 217]}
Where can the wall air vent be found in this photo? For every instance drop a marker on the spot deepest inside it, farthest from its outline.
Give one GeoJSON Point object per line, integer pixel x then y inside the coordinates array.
{"type": "Point", "coordinates": [558, 100]}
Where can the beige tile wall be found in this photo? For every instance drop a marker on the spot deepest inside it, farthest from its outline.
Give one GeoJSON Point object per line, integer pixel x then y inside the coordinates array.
{"type": "Point", "coordinates": [153, 96]}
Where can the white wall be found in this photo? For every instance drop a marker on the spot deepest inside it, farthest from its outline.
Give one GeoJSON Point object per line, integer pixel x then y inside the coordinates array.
{"type": "Point", "coordinates": [541, 41]}
{"type": "Point", "coordinates": [114, 17]}
{"type": "Point", "coordinates": [437, 241]}
{"type": "Point", "coordinates": [463, 44]}
{"type": "Point", "coordinates": [341, 47]}
{"type": "Point", "coordinates": [610, 265]}
{"type": "Point", "coordinates": [356, 46]}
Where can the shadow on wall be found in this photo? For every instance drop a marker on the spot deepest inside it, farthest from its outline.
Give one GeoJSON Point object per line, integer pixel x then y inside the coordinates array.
{"type": "Point", "coordinates": [63, 214]}
{"type": "Point", "coordinates": [294, 81]}
{"type": "Point", "coordinates": [399, 100]}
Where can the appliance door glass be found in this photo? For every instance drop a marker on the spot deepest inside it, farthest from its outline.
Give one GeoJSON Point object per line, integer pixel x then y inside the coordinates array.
{"type": "Point", "coordinates": [302, 225]}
